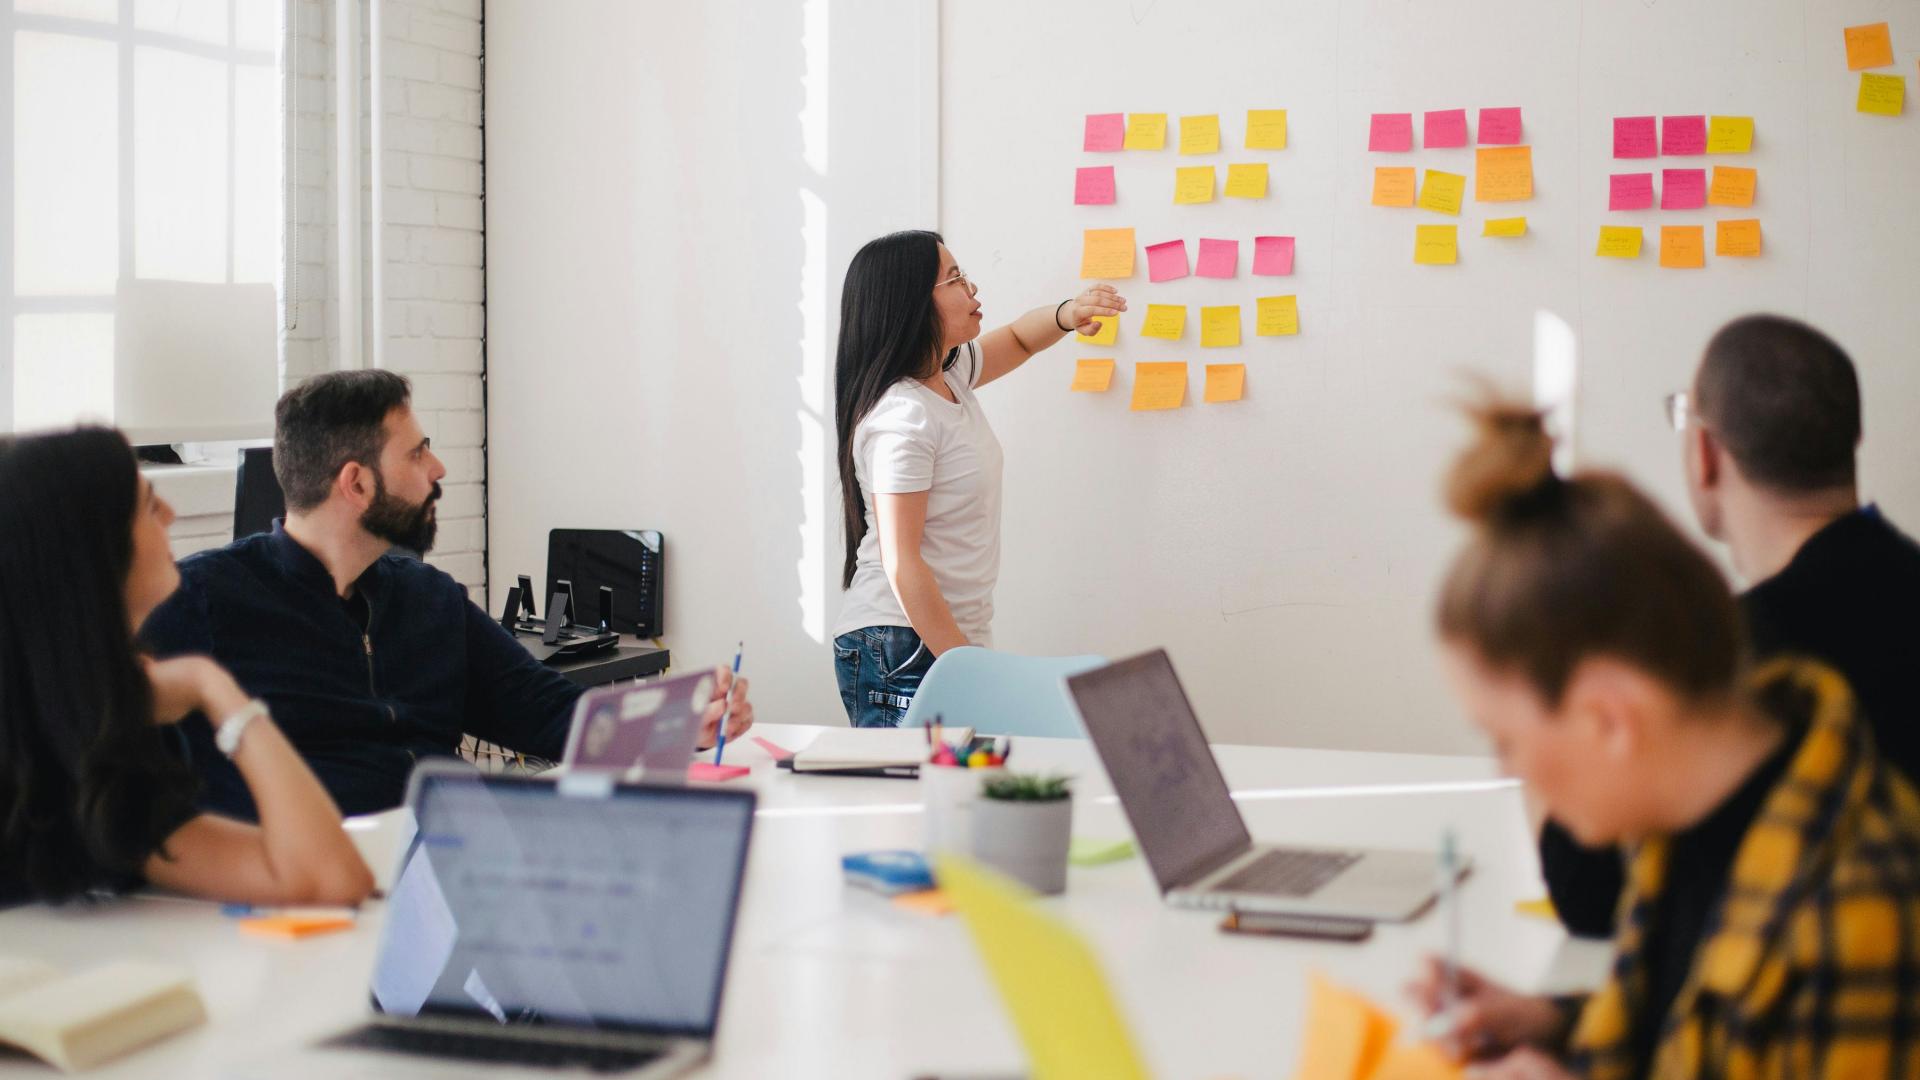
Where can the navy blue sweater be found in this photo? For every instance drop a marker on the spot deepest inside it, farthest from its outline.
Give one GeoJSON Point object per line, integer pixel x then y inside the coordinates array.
{"type": "Point", "coordinates": [360, 702]}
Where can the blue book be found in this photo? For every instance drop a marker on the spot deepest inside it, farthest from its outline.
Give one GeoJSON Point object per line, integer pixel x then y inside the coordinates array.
{"type": "Point", "coordinates": [889, 873]}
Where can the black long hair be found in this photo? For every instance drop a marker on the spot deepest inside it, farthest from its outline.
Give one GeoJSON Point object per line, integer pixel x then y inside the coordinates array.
{"type": "Point", "coordinates": [889, 329]}
{"type": "Point", "coordinates": [87, 785]}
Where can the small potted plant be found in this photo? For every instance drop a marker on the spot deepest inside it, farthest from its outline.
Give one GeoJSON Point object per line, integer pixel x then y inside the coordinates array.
{"type": "Point", "coordinates": [1022, 826]}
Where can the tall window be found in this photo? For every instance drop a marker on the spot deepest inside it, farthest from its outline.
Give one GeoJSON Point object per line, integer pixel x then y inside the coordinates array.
{"type": "Point", "coordinates": [142, 146]}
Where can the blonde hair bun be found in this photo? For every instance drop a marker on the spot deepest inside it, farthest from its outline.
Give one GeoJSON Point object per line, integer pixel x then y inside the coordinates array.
{"type": "Point", "coordinates": [1508, 464]}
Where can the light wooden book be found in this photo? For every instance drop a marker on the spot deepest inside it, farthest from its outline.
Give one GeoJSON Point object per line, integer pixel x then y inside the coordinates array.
{"type": "Point", "coordinates": [76, 1022]}
{"type": "Point", "coordinates": [870, 748]}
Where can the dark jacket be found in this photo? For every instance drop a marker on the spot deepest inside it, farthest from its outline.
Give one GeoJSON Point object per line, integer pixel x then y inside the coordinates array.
{"type": "Point", "coordinates": [360, 702]}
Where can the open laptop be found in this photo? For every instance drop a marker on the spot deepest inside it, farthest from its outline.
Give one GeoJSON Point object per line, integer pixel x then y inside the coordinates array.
{"type": "Point", "coordinates": [536, 923]}
{"type": "Point", "coordinates": [1183, 815]}
{"type": "Point", "coordinates": [643, 729]}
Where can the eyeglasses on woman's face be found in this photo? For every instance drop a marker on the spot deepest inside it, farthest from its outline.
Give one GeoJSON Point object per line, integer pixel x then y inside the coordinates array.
{"type": "Point", "coordinates": [960, 278]}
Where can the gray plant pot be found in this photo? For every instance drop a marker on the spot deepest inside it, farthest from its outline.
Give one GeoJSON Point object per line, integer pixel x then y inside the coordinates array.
{"type": "Point", "coordinates": [1027, 841]}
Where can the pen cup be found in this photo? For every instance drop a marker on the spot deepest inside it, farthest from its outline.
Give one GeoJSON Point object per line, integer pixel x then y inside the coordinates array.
{"type": "Point", "coordinates": [949, 792]}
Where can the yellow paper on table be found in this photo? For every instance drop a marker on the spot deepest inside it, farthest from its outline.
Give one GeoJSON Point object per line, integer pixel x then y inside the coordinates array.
{"type": "Point", "coordinates": [1868, 46]}
{"type": "Point", "coordinates": [1683, 247]}
{"type": "Point", "coordinates": [1732, 186]}
{"type": "Point", "coordinates": [1436, 245]}
{"type": "Point", "coordinates": [1092, 376]}
{"type": "Point", "coordinates": [1247, 181]}
{"type": "Point", "coordinates": [1219, 326]}
{"type": "Point", "coordinates": [1506, 226]}
{"type": "Point", "coordinates": [1503, 174]}
{"type": "Point", "coordinates": [1225, 382]}
{"type": "Point", "coordinates": [1739, 238]}
{"type": "Point", "coordinates": [1729, 134]}
{"type": "Point", "coordinates": [1277, 316]}
{"type": "Point", "coordinates": [1048, 979]}
{"type": "Point", "coordinates": [1193, 184]}
{"type": "Point", "coordinates": [1882, 95]}
{"type": "Point", "coordinates": [1392, 186]}
{"type": "Point", "coordinates": [1145, 131]}
{"type": "Point", "coordinates": [1158, 386]}
{"type": "Point", "coordinates": [1108, 333]}
{"type": "Point", "coordinates": [1166, 321]}
{"type": "Point", "coordinates": [1416, 1061]}
{"type": "Point", "coordinates": [1442, 191]}
{"type": "Point", "coordinates": [1200, 134]}
{"type": "Point", "coordinates": [1539, 907]}
{"type": "Point", "coordinates": [1266, 129]}
{"type": "Point", "coordinates": [1346, 1035]}
{"type": "Point", "coordinates": [1619, 242]}
{"type": "Point", "coordinates": [1107, 253]}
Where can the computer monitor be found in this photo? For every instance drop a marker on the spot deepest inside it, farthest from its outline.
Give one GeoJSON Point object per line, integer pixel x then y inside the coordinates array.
{"type": "Point", "coordinates": [632, 562]}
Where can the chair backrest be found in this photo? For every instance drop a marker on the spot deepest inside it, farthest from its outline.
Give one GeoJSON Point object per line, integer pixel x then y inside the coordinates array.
{"type": "Point", "coordinates": [257, 498]}
{"type": "Point", "coordinates": [998, 693]}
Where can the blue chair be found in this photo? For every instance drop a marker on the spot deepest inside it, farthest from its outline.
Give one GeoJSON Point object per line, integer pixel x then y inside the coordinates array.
{"type": "Point", "coordinates": [998, 693]}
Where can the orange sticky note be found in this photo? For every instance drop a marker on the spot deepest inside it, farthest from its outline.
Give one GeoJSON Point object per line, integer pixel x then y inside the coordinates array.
{"type": "Point", "coordinates": [1346, 1035]}
{"type": "Point", "coordinates": [1739, 238]}
{"type": "Point", "coordinates": [927, 901]}
{"type": "Point", "coordinates": [1393, 186]}
{"type": "Point", "coordinates": [1219, 326]}
{"type": "Point", "coordinates": [1277, 316]}
{"type": "Point", "coordinates": [1108, 333]}
{"type": "Point", "coordinates": [1869, 46]}
{"type": "Point", "coordinates": [1436, 245]}
{"type": "Point", "coordinates": [1619, 242]}
{"type": "Point", "coordinates": [1159, 386]}
{"type": "Point", "coordinates": [295, 927]}
{"type": "Point", "coordinates": [1092, 376]}
{"type": "Point", "coordinates": [1416, 1061]}
{"type": "Point", "coordinates": [1225, 382]}
{"type": "Point", "coordinates": [1731, 186]}
{"type": "Point", "coordinates": [1107, 253]}
{"type": "Point", "coordinates": [1503, 173]}
{"type": "Point", "coordinates": [1683, 247]}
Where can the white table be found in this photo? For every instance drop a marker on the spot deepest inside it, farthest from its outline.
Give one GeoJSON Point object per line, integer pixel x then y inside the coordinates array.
{"type": "Point", "coordinates": [828, 981]}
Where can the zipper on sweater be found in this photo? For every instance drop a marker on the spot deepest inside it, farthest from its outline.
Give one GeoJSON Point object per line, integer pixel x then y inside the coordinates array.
{"type": "Point", "coordinates": [366, 644]}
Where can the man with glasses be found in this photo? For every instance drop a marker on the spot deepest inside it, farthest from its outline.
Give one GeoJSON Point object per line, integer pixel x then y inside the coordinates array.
{"type": "Point", "coordinates": [1769, 429]}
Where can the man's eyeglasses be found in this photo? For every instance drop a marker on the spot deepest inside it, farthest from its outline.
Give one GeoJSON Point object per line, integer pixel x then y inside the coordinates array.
{"type": "Point", "coordinates": [960, 278]}
{"type": "Point", "coordinates": [1679, 412]}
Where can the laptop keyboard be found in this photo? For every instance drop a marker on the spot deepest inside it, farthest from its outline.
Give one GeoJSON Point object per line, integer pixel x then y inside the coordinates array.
{"type": "Point", "coordinates": [1287, 873]}
{"type": "Point", "coordinates": [538, 1053]}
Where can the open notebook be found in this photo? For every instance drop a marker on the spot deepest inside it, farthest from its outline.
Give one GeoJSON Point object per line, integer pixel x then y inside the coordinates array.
{"type": "Point", "coordinates": [76, 1022]}
{"type": "Point", "coordinates": [869, 751]}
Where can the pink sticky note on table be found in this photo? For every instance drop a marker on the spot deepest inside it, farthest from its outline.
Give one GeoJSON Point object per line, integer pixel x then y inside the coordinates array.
{"type": "Point", "coordinates": [1273, 255]}
{"type": "Point", "coordinates": [1105, 131]}
{"type": "Point", "coordinates": [1392, 132]}
{"type": "Point", "coordinates": [1633, 137]}
{"type": "Point", "coordinates": [1218, 258]}
{"type": "Point", "coordinates": [1444, 128]}
{"type": "Point", "coordinates": [1630, 191]}
{"type": "Point", "coordinates": [710, 773]}
{"type": "Point", "coordinates": [1500, 127]}
{"type": "Point", "coordinates": [1167, 261]}
{"type": "Point", "coordinates": [1683, 135]}
{"type": "Point", "coordinates": [1093, 186]}
{"type": "Point", "coordinates": [1683, 189]}
{"type": "Point", "coordinates": [774, 750]}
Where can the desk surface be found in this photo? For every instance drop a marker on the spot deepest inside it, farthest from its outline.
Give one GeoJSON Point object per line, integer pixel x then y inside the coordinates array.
{"type": "Point", "coordinates": [835, 982]}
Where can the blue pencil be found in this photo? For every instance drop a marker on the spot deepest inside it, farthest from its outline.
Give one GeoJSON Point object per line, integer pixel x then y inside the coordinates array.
{"type": "Point", "coordinates": [720, 747]}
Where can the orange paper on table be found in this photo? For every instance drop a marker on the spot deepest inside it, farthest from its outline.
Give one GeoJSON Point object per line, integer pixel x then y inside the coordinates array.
{"type": "Point", "coordinates": [295, 926]}
{"type": "Point", "coordinates": [1869, 46]}
{"type": "Point", "coordinates": [1732, 186]}
{"type": "Point", "coordinates": [1739, 238]}
{"type": "Point", "coordinates": [928, 901]}
{"type": "Point", "coordinates": [1225, 382]}
{"type": "Point", "coordinates": [1107, 253]}
{"type": "Point", "coordinates": [1683, 247]}
{"type": "Point", "coordinates": [1416, 1061]}
{"type": "Point", "coordinates": [1347, 1036]}
{"type": "Point", "coordinates": [1393, 186]}
{"type": "Point", "coordinates": [1092, 376]}
{"type": "Point", "coordinates": [1503, 174]}
{"type": "Point", "coordinates": [1159, 386]}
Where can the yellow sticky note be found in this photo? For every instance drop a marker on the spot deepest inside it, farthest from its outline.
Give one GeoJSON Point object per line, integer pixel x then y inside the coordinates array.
{"type": "Point", "coordinates": [1392, 186]}
{"type": "Point", "coordinates": [1107, 253]}
{"type": "Point", "coordinates": [1200, 134]}
{"type": "Point", "coordinates": [1442, 191]}
{"type": "Point", "coordinates": [1436, 245]}
{"type": "Point", "coordinates": [1416, 1061]}
{"type": "Point", "coordinates": [1503, 174]}
{"type": "Point", "coordinates": [1266, 129]}
{"type": "Point", "coordinates": [1193, 184]}
{"type": "Point", "coordinates": [1619, 242]}
{"type": "Point", "coordinates": [1247, 181]}
{"type": "Point", "coordinates": [1145, 131]}
{"type": "Point", "coordinates": [1049, 980]}
{"type": "Point", "coordinates": [1882, 95]}
{"type": "Point", "coordinates": [1277, 316]}
{"type": "Point", "coordinates": [1731, 186]}
{"type": "Point", "coordinates": [1108, 333]}
{"type": "Point", "coordinates": [1506, 226]}
{"type": "Point", "coordinates": [1346, 1035]}
{"type": "Point", "coordinates": [1739, 238]}
{"type": "Point", "coordinates": [1157, 386]}
{"type": "Point", "coordinates": [1869, 46]}
{"type": "Point", "coordinates": [1167, 321]}
{"type": "Point", "coordinates": [1729, 134]}
{"type": "Point", "coordinates": [1225, 382]}
{"type": "Point", "coordinates": [1683, 247]}
{"type": "Point", "coordinates": [1219, 326]}
{"type": "Point", "coordinates": [1092, 376]}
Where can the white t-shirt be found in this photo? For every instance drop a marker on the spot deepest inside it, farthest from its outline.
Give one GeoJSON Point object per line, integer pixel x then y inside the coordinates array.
{"type": "Point", "coordinates": [916, 440]}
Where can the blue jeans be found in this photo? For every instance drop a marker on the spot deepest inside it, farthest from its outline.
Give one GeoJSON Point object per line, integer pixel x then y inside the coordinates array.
{"type": "Point", "coordinates": [879, 669]}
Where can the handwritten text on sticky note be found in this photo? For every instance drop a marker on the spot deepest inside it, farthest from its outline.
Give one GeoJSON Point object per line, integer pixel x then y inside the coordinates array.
{"type": "Point", "coordinates": [1200, 134]}
{"type": "Point", "coordinates": [1218, 258]}
{"type": "Point", "coordinates": [1683, 189]}
{"type": "Point", "coordinates": [1500, 127]}
{"type": "Point", "coordinates": [1739, 238]}
{"type": "Point", "coordinates": [1107, 253]}
{"type": "Point", "coordinates": [1732, 186]}
{"type": "Point", "coordinates": [1729, 134]}
{"type": "Point", "coordinates": [1441, 192]}
{"type": "Point", "coordinates": [1105, 131]}
{"type": "Point", "coordinates": [1393, 186]}
{"type": "Point", "coordinates": [1159, 386]}
{"type": "Point", "coordinates": [1092, 376]}
{"type": "Point", "coordinates": [1445, 128]}
{"type": "Point", "coordinates": [1277, 316]}
{"type": "Point", "coordinates": [1166, 321]}
{"type": "Point", "coordinates": [1683, 136]}
{"type": "Point", "coordinates": [1436, 245]}
{"type": "Point", "coordinates": [1193, 184]}
{"type": "Point", "coordinates": [1146, 131]}
{"type": "Point", "coordinates": [1093, 186]}
{"type": "Point", "coordinates": [1619, 242]}
{"type": "Point", "coordinates": [1266, 129]}
{"type": "Point", "coordinates": [1273, 255]}
{"type": "Point", "coordinates": [1248, 181]}
{"type": "Point", "coordinates": [1633, 137]}
{"type": "Point", "coordinates": [1630, 191]}
{"type": "Point", "coordinates": [1391, 133]}
{"type": "Point", "coordinates": [1220, 326]}
{"type": "Point", "coordinates": [1503, 174]}
{"type": "Point", "coordinates": [1225, 382]}
{"type": "Point", "coordinates": [1683, 247]}
{"type": "Point", "coordinates": [1508, 226]}
{"type": "Point", "coordinates": [1167, 261]}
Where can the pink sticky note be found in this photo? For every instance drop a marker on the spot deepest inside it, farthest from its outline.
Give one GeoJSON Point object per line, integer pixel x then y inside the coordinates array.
{"type": "Point", "coordinates": [774, 750]}
{"type": "Point", "coordinates": [1273, 255]}
{"type": "Point", "coordinates": [1500, 127]}
{"type": "Point", "coordinates": [1167, 261]}
{"type": "Point", "coordinates": [1633, 137]}
{"type": "Point", "coordinates": [711, 773]}
{"type": "Point", "coordinates": [1219, 258]}
{"type": "Point", "coordinates": [1093, 186]}
{"type": "Point", "coordinates": [1105, 131]}
{"type": "Point", "coordinates": [1630, 191]}
{"type": "Point", "coordinates": [1392, 132]}
{"type": "Point", "coordinates": [1683, 189]}
{"type": "Point", "coordinates": [1683, 135]}
{"type": "Point", "coordinates": [1445, 127]}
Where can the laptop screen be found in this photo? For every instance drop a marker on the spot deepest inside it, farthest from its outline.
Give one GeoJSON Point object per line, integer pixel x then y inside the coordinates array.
{"type": "Point", "coordinates": [1157, 757]}
{"type": "Point", "coordinates": [636, 728]}
{"type": "Point", "coordinates": [526, 904]}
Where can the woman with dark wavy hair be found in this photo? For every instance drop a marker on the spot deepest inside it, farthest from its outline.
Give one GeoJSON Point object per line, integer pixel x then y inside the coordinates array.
{"type": "Point", "coordinates": [95, 791]}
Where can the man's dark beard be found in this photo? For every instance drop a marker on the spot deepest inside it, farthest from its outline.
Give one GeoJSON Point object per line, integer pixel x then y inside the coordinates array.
{"type": "Point", "coordinates": [399, 522]}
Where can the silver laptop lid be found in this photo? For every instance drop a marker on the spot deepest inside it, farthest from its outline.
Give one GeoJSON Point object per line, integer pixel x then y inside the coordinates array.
{"type": "Point", "coordinates": [1180, 807]}
{"type": "Point", "coordinates": [640, 729]}
{"type": "Point", "coordinates": [607, 908]}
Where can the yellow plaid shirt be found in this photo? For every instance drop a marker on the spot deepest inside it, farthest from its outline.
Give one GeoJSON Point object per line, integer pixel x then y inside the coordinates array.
{"type": "Point", "coordinates": [1811, 966]}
